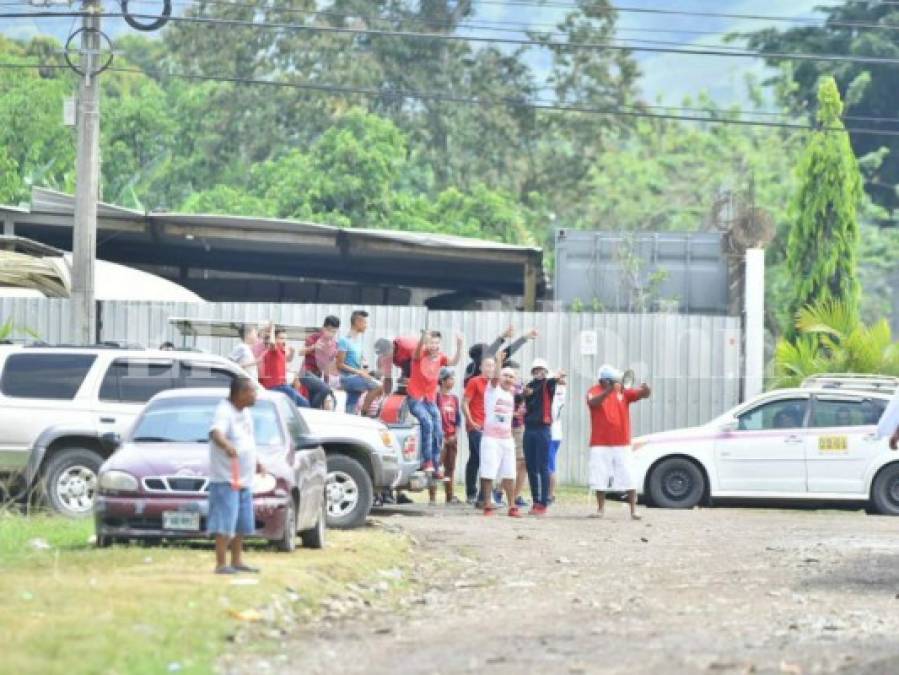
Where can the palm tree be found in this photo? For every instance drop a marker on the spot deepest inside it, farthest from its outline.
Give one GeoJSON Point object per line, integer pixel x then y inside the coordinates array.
{"type": "Point", "coordinates": [831, 339]}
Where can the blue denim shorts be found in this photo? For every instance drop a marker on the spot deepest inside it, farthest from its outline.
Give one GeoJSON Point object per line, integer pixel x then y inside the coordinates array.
{"type": "Point", "coordinates": [230, 511]}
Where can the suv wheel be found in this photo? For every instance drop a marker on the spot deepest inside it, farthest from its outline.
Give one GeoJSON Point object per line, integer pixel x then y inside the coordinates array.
{"type": "Point", "coordinates": [349, 490]}
{"type": "Point", "coordinates": [885, 491]}
{"type": "Point", "coordinates": [70, 481]}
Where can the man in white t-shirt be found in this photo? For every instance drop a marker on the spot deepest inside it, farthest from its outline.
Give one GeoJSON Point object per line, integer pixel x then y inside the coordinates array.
{"type": "Point", "coordinates": [244, 355]}
{"type": "Point", "coordinates": [497, 444]}
{"type": "Point", "coordinates": [232, 463]}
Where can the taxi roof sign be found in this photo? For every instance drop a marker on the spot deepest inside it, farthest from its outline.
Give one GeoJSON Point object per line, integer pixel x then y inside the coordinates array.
{"type": "Point", "coordinates": [886, 384]}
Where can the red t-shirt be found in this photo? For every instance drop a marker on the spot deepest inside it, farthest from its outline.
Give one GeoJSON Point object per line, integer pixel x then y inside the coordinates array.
{"type": "Point", "coordinates": [273, 372]}
{"type": "Point", "coordinates": [611, 422]}
{"type": "Point", "coordinates": [449, 412]}
{"type": "Point", "coordinates": [425, 373]}
{"type": "Point", "coordinates": [309, 363]}
{"type": "Point", "coordinates": [474, 394]}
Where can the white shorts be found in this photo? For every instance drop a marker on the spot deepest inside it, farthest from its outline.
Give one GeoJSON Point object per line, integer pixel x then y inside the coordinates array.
{"type": "Point", "coordinates": [497, 458]}
{"type": "Point", "coordinates": [610, 468]}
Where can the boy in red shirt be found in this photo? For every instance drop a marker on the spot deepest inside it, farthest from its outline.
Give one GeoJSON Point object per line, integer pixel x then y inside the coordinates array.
{"type": "Point", "coordinates": [610, 438]}
{"type": "Point", "coordinates": [273, 369]}
{"type": "Point", "coordinates": [422, 391]}
{"type": "Point", "coordinates": [451, 417]}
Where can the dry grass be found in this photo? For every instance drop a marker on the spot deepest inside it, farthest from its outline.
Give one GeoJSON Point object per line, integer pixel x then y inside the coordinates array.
{"type": "Point", "coordinates": [132, 609]}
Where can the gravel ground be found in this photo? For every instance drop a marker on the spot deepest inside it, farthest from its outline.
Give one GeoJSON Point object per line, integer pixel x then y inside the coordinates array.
{"type": "Point", "coordinates": [723, 590]}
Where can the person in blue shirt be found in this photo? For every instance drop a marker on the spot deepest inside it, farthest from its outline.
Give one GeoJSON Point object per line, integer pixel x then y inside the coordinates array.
{"type": "Point", "coordinates": [354, 379]}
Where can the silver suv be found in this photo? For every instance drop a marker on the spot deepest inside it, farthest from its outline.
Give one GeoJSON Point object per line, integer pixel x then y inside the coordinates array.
{"type": "Point", "coordinates": [61, 409]}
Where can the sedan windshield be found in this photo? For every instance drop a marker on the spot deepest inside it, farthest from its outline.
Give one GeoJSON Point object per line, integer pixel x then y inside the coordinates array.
{"type": "Point", "coordinates": [189, 420]}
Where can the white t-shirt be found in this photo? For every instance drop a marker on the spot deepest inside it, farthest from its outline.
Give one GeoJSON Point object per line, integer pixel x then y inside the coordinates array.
{"type": "Point", "coordinates": [243, 356]}
{"type": "Point", "coordinates": [237, 426]}
{"type": "Point", "coordinates": [499, 406]}
{"type": "Point", "coordinates": [557, 405]}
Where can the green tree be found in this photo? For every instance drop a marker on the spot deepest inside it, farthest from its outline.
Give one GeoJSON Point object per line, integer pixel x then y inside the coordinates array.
{"type": "Point", "coordinates": [872, 90]}
{"type": "Point", "coordinates": [822, 248]}
{"type": "Point", "coordinates": [226, 200]}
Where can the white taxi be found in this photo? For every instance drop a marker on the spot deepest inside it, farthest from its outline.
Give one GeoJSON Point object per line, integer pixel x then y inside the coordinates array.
{"type": "Point", "coordinates": [816, 442]}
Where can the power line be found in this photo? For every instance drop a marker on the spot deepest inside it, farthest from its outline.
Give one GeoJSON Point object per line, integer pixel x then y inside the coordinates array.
{"type": "Point", "coordinates": [717, 51]}
{"type": "Point", "coordinates": [505, 102]}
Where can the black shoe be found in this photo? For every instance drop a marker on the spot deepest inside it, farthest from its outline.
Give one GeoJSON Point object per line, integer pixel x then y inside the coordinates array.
{"type": "Point", "coordinates": [401, 498]}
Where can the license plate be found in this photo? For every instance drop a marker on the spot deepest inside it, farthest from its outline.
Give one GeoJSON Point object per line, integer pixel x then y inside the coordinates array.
{"type": "Point", "coordinates": [180, 520]}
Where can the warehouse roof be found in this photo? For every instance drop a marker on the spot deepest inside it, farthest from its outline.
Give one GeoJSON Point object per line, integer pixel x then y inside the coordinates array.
{"type": "Point", "coordinates": [273, 246]}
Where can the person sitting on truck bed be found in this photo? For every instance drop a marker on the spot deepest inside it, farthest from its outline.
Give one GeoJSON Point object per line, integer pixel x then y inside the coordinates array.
{"type": "Point", "coordinates": [273, 373]}
{"type": "Point", "coordinates": [354, 379]}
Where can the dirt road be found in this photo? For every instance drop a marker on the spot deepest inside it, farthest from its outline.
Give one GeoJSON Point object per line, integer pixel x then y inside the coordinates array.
{"type": "Point", "coordinates": [721, 590]}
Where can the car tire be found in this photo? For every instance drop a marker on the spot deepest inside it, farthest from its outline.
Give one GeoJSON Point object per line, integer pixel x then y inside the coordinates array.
{"type": "Point", "coordinates": [288, 541]}
{"type": "Point", "coordinates": [676, 483]}
{"type": "Point", "coordinates": [70, 481]}
{"type": "Point", "coordinates": [885, 491]}
{"type": "Point", "coordinates": [350, 492]}
{"type": "Point", "coordinates": [315, 537]}
{"type": "Point", "coordinates": [104, 541]}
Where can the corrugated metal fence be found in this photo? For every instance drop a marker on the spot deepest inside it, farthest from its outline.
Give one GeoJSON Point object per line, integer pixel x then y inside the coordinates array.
{"type": "Point", "coordinates": [692, 362]}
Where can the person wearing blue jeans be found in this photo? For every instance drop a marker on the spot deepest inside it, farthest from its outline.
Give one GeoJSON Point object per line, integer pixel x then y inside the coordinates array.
{"type": "Point", "coordinates": [355, 380]}
{"type": "Point", "coordinates": [431, 428]}
{"type": "Point", "coordinates": [538, 397]}
{"type": "Point", "coordinates": [427, 362]}
{"type": "Point", "coordinates": [291, 393]}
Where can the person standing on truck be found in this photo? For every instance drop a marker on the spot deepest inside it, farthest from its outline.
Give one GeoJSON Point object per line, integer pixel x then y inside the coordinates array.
{"type": "Point", "coordinates": [497, 445]}
{"type": "Point", "coordinates": [232, 461]}
{"type": "Point", "coordinates": [355, 380]}
{"type": "Point", "coordinates": [538, 396]}
{"type": "Point", "coordinates": [427, 362]}
{"type": "Point", "coordinates": [273, 374]}
{"type": "Point", "coordinates": [610, 438]}
{"type": "Point", "coordinates": [243, 354]}
{"type": "Point", "coordinates": [473, 410]}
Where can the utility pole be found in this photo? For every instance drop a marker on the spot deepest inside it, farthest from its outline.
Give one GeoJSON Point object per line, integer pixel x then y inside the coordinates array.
{"type": "Point", "coordinates": [87, 179]}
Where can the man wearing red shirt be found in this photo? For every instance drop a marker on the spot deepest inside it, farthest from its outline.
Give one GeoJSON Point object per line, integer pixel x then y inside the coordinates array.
{"type": "Point", "coordinates": [610, 438]}
{"type": "Point", "coordinates": [422, 391]}
{"type": "Point", "coordinates": [273, 369]}
{"type": "Point", "coordinates": [473, 410]}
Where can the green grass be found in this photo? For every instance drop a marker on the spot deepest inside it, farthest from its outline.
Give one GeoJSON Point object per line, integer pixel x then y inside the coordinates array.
{"type": "Point", "coordinates": [134, 609]}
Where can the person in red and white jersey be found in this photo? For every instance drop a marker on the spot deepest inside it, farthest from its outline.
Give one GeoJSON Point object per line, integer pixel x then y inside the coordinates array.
{"type": "Point", "coordinates": [497, 444]}
{"type": "Point", "coordinates": [610, 438]}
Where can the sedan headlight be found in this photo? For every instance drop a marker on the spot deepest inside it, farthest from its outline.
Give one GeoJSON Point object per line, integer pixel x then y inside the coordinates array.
{"type": "Point", "coordinates": [264, 483]}
{"type": "Point", "coordinates": [118, 481]}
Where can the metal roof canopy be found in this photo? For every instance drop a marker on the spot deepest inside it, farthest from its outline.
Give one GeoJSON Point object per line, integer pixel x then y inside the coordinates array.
{"type": "Point", "coordinates": [287, 247]}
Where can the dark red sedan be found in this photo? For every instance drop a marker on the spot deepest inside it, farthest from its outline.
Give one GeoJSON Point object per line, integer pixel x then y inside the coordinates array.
{"type": "Point", "coordinates": [154, 485]}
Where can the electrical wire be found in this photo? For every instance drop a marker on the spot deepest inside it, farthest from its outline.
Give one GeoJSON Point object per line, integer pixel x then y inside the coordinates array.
{"type": "Point", "coordinates": [505, 102]}
{"type": "Point", "coordinates": [717, 51]}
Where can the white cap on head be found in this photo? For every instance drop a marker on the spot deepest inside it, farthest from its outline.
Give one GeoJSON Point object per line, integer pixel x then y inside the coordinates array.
{"type": "Point", "coordinates": [539, 363]}
{"type": "Point", "coordinates": [607, 372]}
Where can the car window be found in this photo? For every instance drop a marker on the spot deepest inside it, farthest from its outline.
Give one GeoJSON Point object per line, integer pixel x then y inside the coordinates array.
{"type": "Point", "coordinates": [189, 420]}
{"type": "Point", "coordinates": [137, 381]}
{"type": "Point", "coordinates": [781, 414]}
{"type": "Point", "coordinates": [844, 412]}
{"type": "Point", "coordinates": [205, 375]}
{"type": "Point", "coordinates": [49, 376]}
{"type": "Point", "coordinates": [296, 427]}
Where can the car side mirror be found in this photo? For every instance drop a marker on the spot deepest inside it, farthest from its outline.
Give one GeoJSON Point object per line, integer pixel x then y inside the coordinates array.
{"type": "Point", "coordinates": [308, 442]}
{"type": "Point", "coordinates": [730, 425]}
{"type": "Point", "coordinates": [110, 441]}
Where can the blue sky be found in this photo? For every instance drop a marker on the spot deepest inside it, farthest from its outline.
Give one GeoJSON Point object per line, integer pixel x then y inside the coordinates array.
{"type": "Point", "coordinates": [670, 77]}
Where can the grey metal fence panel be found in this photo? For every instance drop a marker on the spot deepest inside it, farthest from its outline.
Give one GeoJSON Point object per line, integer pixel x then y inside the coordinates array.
{"type": "Point", "coordinates": [47, 319]}
{"type": "Point", "coordinates": [691, 362]}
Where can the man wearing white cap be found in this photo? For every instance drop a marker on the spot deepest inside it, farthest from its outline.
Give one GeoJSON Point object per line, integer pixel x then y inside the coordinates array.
{"type": "Point", "coordinates": [610, 437]}
{"type": "Point", "coordinates": [538, 398]}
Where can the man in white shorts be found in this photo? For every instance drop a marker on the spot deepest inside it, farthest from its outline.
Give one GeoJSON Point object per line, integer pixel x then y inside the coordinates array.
{"type": "Point", "coordinates": [497, 444]}
{"type": "Point", "coordinates": [610, 438]}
